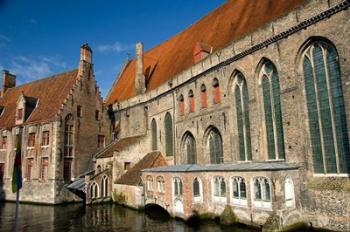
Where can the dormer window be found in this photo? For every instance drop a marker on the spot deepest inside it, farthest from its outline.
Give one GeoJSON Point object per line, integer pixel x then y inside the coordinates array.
{"type": "Point", "coordinates": [19, 115]}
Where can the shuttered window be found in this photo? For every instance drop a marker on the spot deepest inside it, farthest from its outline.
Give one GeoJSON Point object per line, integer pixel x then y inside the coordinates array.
{"type": "Point", "coordinates": [154, 135]}
{"type": "Point", "coordinates": [242, 115]}
{"type": "Point", "coordinates": [168, 127]}
{"type": "Point", "coordinates": [272, 111]}
{"type": "Point", "coordinates": [326, 111]}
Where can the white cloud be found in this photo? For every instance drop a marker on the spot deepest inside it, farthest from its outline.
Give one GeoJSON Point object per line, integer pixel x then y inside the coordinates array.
{"type": "Point", "coordinates": [115, 47]}
{"type": "Point", "coordinates": [29, 68]}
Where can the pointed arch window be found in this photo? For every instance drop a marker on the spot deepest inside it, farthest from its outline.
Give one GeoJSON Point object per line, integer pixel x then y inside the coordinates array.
{"type": "Point", "coordinates": [154, 135]}
{"type": "Point", "coordinates": [216, 91]}
{"type": "Point", "coordinates": [326, 110]}
{"type": "Point", "coordinates": [273, 111]}
{"type": "Point", "coordinates": [168, 127]}
{"type": "Point", "coordinates": [214, 147]}
{"type": "Point", "coordinates": [191, 101]}
{"type": "Point", "coordinates": [104, 185]}
{"type": "Point", "coordinates": [189, 148]}
{"type": "Point", "coordinates": [181, 105]}
{"type": "Point", "coordinates": [204, 96]}
{"type": "Point", "coordinates": [242, 117]}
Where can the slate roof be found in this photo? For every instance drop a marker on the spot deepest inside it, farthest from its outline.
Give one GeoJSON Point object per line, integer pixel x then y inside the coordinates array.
{"type": "Point", "coordinates": [133, 176]}
{"type": "Point", "coordinates": [49, 94]}
{"type": "Point", "coordinates": [228, 23]}
{"type": "Point", "coordinates": [239, 167]}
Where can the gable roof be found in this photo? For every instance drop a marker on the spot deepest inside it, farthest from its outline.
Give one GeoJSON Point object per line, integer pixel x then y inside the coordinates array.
{"type": "Point", "coordinates": [49, 93]}
{"type": "Point", "coordinates": [227, 23]}
{"type": "Point", "coordinates": [133, 175]}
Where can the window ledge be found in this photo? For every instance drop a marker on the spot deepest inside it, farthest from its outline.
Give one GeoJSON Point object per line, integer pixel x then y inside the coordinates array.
{"type": "Point", "coordinates": [45, 146]}
{"type": "Point", "coordinates": [332, 175]}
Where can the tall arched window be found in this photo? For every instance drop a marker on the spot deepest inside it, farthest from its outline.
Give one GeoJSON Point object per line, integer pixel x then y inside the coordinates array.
{"type": "Point", "coordinates": [154, 135]}
{"type": "Point", "coordinates": [273, 111]}
{"type": "Point", "coordinates": [104, 186]}
{"type": "Point", "coordinates": [242, 117]}
{"type": "Point", "coordinates": [261, 192]}
{"type": "Point", "coordinates": [68, 147]}
{"type": "Point", "coordinates": [326, 111]}
{"type": "Point", "coordinates": [177, 187]}
{"type": "Point", "coordinates": [94, 190]}
{"type": "Point", "coordinates": [181, 105]}
{"type": "Point", "coordinates": [204, 96]}
{"type": "Point", "coordinates": [216, 91]}
{"type": "Point", "coordinates": [168, 127]}
{"type": "Point", "coordinates": [191, 101]}
{"type": "Point", "coordinates": [189, 149]}
{"type": "Point", "coordinates": [214, 146]}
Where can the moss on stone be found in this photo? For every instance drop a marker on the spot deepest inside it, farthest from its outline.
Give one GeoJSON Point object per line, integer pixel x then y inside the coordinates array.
{"type": "Point", "coordinates": [299, 226]}
{"type": "Point", "coordinates": [272, 224]}
{"type": "Point", "coordinates": [331, 183]}
{"type": "Point", "coordinates": [207, 216]}
{"type": "Point", "coordinates": [228, 217]}
{"type": "Point", "coordinates": [119, 198]}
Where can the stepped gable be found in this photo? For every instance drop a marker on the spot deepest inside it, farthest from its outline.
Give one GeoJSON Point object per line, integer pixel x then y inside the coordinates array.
{"type": "Point", "coordinates": [49, 93]}
{"type": "Point", "coordinates": [228, 23]}
{"type": "Point", "coordinates": [133, 176]}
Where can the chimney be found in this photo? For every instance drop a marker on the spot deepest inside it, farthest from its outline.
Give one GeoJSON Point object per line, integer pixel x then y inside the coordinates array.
{"type": "Point", "coordinates": [140, 82]}
{"type": "Point", "coordinates": [8, 81]}
{"type": "Point", "coordinates": [85, 59]}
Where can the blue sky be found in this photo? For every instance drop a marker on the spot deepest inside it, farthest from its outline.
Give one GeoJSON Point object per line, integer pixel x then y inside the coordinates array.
{"type": "Point", "coordinates": [39, 38]}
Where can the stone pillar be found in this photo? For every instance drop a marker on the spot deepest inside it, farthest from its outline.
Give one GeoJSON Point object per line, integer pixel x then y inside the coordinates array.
{"type": "Point", "coordinates": [140, 82]}
{"type": "Point", "coordinates": [85, 59]}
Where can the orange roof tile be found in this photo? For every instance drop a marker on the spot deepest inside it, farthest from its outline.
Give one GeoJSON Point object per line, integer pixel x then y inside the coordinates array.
{"type": "Point", "coordinates": [50, 93]}
{"type": "Point", "coordinates": [227, 23]}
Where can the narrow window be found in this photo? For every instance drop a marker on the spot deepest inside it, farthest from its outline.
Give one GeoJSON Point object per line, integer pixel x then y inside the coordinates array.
{"type": "Point", "coordinates": [189, 148]}
{"type": "Point", "coordinates": [204, 96]}
{"type": "Point", "coordinates": [127, 165]}
{"type": "Point", "coordinates": [289, 192]}
{"type": "Point", "coordinates": [273, 112]}
{"type": "Point", "coordinates": [31, 140]}
{"type": "Point", "coordinates": [177, 187]}
{"type": "Point", "coordinates": [219, 187]}
{"type": "Point", "coordinates": [3, 142]}
{"type": "Point", "coordinates": [19, 114]}
{"type": "Point", "coordinates": [67, 169]}
{"type": "Point", "coordinates": [154, 135]}
{"type": "Point", "coordinates": [45, 138]}
{"type": "Point", "coordinates": [191, 101]}
{"type": "Point", "coordinates": [79, 112]}
{"type": "Point", "coordinates": [216, 91]}
{"type": "Point", "coordinates": [196, 188]}
{"type": "Point", "coordinates": [160, 182]}
{"type": "Point", "coordinates": [149, 183]}
{"type": "Point", "coordinates": [100, 141]}
{"type": "Point", "coordinates": [44, 168]}
{"type": "Point", "coordinates": [29, 169]}
{"type": "Point", "coordinates": [214, 143]}
{"type": "Point", "coordinates": [168, 127]}
{"type": "Point", "coordinates": [242, 116]}
{"type": "Point", "coordinates": [326, 109]}
{"type": "Point", "coordinates": [2, 172]}
{"type": "Point", "coordinates": [97, 115]}
{"type": "Point", "coordinates": [105, 186]}
{"type": "Point", "coordinates": [181, 105]}
{"type": "Point", "coordinates": [68, 136]}
{"type": "Point", "coordinates": [262, 193]}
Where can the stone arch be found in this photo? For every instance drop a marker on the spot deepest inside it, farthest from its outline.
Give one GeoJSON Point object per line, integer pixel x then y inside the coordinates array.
{"type": "Point", "coordinates": [189, 148]}
{"type": "Point", "coordinates": [105, 186]}
{"type": "Point", "coordinates": [213, 145]}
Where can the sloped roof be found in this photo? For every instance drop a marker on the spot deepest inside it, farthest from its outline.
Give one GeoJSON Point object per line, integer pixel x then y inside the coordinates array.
{"type": "Point", "coordinates": [49, 92]}
{"type": "Point", "coordinates": [227, 23]}
{"type": "Point", "coordinates": [133, 176]}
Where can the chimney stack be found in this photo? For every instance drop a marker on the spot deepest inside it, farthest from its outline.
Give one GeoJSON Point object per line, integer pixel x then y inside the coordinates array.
{"type": "Point", "coordinates": [140, 81]}
{"type": "Point", "coordinates": [8, 81]}
{"type": "Point", "coordinates": [85, 60]}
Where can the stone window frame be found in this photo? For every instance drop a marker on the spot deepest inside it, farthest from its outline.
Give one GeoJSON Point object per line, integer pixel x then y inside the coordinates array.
{"type": "Point", "coordinates": [204, 96]}
{"type": "Point", "coordinates": [239, 200]}
{"type": "Point", "coordinates": [169, 134]}
{"type": "Point", "coordinates": [149, 183]}
{"type": "Point", "coordinates": [160, 184]}
{"type": "Point", "coordinates": [197, 198]}
{"type": "Point", "coordinates": [29, 169]}
{"type": "Point", "coordinates": [244, 146]}
{"type": "Point", "coordinates": [308, 54]}
{"type": "Point", "coordinates": [69, 136]}
{"type": "Point", "coordinates": [105, 186]}
{"type": "Point", "coordinates": [45, 138]}
{"type": "Point", "coordinates": [264, 201]}
{"type": "Point", "coordinates": [289, 192]}
{"type": "Point", "coordinates": [44, 165]}
{"type": "Point", "coordinates": [94, 190]}
{"type": "Point", "coordinates": [191, 102]}
{"type": "Point", "coordinates": [216, 91]}
{"type": "Point", "coordinates": [181, 105]}
{"type": "Point", "coordinates": [177, 188]}
{"type": "Point", "coordinates": [192, 157]}
{"type": "Point", "coordinates": [101, 141]}
{"type": "Point", "coordinates": [31, 140]}
{"type": "Point", "coordinates": [267, 70]}
{"type": "Point", "coordinates": [213, 133]}
{"type": "Point", "coordinates": [154, 134]}
{"type": "Point", "coordinates": [218, 194]}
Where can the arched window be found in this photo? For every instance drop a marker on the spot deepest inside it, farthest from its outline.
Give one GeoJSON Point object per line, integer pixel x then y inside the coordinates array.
{"type": "Point", "coordinates": [181, 105]}
{"type": "Point", "coordinates": [216, 91]}
{"type": "Point", "coordinates": [160, 183]}
{"type": "Point", "coordinates": [289, 192]}
{"type": "Point", "coordinates": [261, 192]}
{"type": "Point", "coordinates": [154, 135]}
{"type": "Point", "coordinates": [196, 188]}
{"type": "Point", "coordinates": [189, 148]}
{"type": "Point", "coordinates": [214, 147]}
{"type": "Point", "coordinates": [272, 110]}
{"type": "Point", "coordinates": [177, 187]}
{"type": "Point", "coordinates": [104, 184]}
{"type": "Point", "coordinates": [94, 190]}
{"type": "Point", "coordinates": [149, 183]}
{"type": "Point", "coordinates": [239, 191]}
{"type": "Point", "coordinates": [204, 96]}
{"type": "Point", "coordinates": [191, 101]}
{"type": "Point", "coordinates": [242, 117]}
{"type": "Point", "coordinates": [219, 188]}
{"type": "Point", "coordinates": [168, 127]}
{"type": "Point", "coordinates": [326, 110]}
{"type": "Point", "coordinates": [68, 147]}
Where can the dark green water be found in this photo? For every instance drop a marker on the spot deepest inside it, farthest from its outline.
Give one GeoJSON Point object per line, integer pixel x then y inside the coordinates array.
{"type": "Point", "coordinates": [37, 218]}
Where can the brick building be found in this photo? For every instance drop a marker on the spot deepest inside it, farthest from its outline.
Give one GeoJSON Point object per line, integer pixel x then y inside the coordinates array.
{"type": "Point", "coordinates": [251, 108]}
{"type": "Point", "coordinates": [63, 123]}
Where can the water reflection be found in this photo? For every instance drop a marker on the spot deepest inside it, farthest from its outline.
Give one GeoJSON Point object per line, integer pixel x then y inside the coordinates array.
{"type": "Point", "coordinates": [94, 218]}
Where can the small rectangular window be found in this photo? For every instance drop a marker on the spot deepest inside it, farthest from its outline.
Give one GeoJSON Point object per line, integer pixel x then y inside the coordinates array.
{"type": "Point", "coordinates": [19, 114]}
{"type": "Point", "coordinates": [45, 138]}
{"type": "Point", "coordinates": [127, 165]}
{"type": "Point", "coordinates": [29, 169]}
{"type": "Point", "coordinates": [100, 141]}
{"type": "Point", "coordinates": [3, 142]}
{"type": "Point", "coordinates": [44, 168]}
{"type": "Point", "coordinates": [97, 115]}
{"type": "Point", "coordinates": [31, 140]}
{"type": "Point", "coordinates": [79, 113]}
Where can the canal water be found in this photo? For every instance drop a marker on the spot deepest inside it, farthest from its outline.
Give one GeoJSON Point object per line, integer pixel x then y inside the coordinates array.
{"type": "Point", "coordinates": [108, 217]}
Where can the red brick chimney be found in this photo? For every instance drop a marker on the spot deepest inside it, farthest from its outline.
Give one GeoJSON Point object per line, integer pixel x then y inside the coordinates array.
{"type": "Point", "coordinates": [8, 81]}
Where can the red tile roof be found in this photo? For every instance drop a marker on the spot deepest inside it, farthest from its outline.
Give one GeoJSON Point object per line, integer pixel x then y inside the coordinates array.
{"type": "Point", "coordinates": [49, 92]}
{"type": "Point", "coordinates": [227, 23]}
